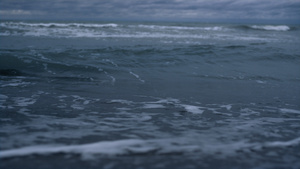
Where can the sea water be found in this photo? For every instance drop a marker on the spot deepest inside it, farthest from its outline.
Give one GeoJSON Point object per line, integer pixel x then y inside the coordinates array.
{"type": "Point", "coordinates": [149, 95]}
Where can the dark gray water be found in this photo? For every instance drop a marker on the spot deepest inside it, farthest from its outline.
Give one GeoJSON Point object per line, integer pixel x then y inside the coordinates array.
{"type": "Point", "coordinates": [149, 95]}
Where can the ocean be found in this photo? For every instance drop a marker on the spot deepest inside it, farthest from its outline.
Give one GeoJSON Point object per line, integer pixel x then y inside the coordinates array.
{"type": "Point", "coordinates": [149, 95]}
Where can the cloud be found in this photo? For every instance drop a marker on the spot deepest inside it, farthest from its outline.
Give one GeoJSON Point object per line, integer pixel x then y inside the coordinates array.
{"type": "Point", "coordinates": [151, 9]}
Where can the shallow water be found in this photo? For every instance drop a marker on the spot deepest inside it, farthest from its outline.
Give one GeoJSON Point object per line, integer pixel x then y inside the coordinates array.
{"type": "Point", "coordinates": [149, 95]}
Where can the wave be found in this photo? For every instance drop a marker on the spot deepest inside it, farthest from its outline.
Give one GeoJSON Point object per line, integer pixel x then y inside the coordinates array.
{"type": "Point", "coordinates": [219, 28]}
{"type": "Point", "coordinates": [136, 146]}
{"type": "Point", "coordinates": [55, 25]}
{"type": "Point", "coordinates": [106, 25]}
{"type": "Point", "coordinates": [140, 27]}
{"type": "Point", "coordinates": [271, 27]}
{"type": "Point", "coordinates": [266, 27]}
{"type": "Point", "coordinates": [191, 32]}
{"type": "Point", "coordinates": [161, 27]}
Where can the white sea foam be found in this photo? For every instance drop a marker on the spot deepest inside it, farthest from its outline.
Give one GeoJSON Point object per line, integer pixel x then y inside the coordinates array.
{"type": "Point", "coordinates": [15, 83]}
{"type": "Point", "coordinates": [136, 146]}
{"type": "Point", "coordinates": [79, 103]}
{"type": "Point", "coordinates": [90, 33]}
{"type": "Point", "coordinates": [119, 147]}
{"type": "Point", "coordinates": [113, 79]}
{"type": "Point", "coordinates": [112, 30]}
{"type": "Point", "coordinates": [290, 111]}
{"type": "Point", "coordinates": [271, 27]}
{"type": "Point", "coordinates": [109, 148]}
{"type": "Point", "coordinates": [121, 101]}
{"type": "Point", "coordinates": [260, 81]}
{"type": "Point", "coordinates": [145, 118]}
{"type": "Point", "coordinates": [192, 109]}
{"type": "Point", "coordinates": [153, 106]}
{"type": "Point", "coordinates": [137, 76]}
{"type": "Point", "coordinates": [161, 27]}
{"type": "Point", "coordinates": [248, 112]}
{"type": "Point", "coordinates": [77, 107]}
{"type": "Point", "coordinates": [23, 101]}
{"type": "Point", "coordinates": [110, 61]}
{"type": "Point", "coordinates": [228, 107]}
{"type": "Point", "coordinates": [149, 118]}
{"type": "Point", "coordinates": [215, 28]}
{"type": "Point", "coordinates": [283, 143]}
{"type": "Point", "coordinates": [167, 101]}
{"type": "Point", "coordinates": [62, 25]}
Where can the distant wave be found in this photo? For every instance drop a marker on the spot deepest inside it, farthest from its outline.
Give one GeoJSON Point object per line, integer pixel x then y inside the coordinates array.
{"type": "Point", "coordinates": [55, 25]}
{"type": "Point", "coordinates": [161, 31]}
{"type": "Point", "coordinates": [22, 25]}
{"type": "Point", "coordinates": [271, 27]}
{"type": "Point", "coordinates": [208, 28]}
{"type": "Point", "coordinates": [266, 27]}
{"type": "Point", "coordinates": [28, 25]}
{"type": "Point", "coordinates": [218, 28]}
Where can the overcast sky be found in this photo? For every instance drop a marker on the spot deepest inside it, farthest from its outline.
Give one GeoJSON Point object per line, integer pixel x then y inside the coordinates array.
{"type": "Point", "coordinates": [165, 10]}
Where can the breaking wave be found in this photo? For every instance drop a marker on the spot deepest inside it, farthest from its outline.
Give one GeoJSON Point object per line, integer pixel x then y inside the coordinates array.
{"type": "Point", "coordinates": [56, 25]}
{"type": "Point", "coordinates": [201, 95]}
{"type": "Point", "coordinates": [271, 27]}
{"type": "Point", "coordinates": [135, 146]}
{"type": "Point", "coordinates": [133, 30]}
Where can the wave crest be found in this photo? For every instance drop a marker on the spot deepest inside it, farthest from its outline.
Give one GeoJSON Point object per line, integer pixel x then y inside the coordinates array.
{"type": "Point", "coordinates": [56, 25]}
{"type": "Point", "coordinates": [271, 27]}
